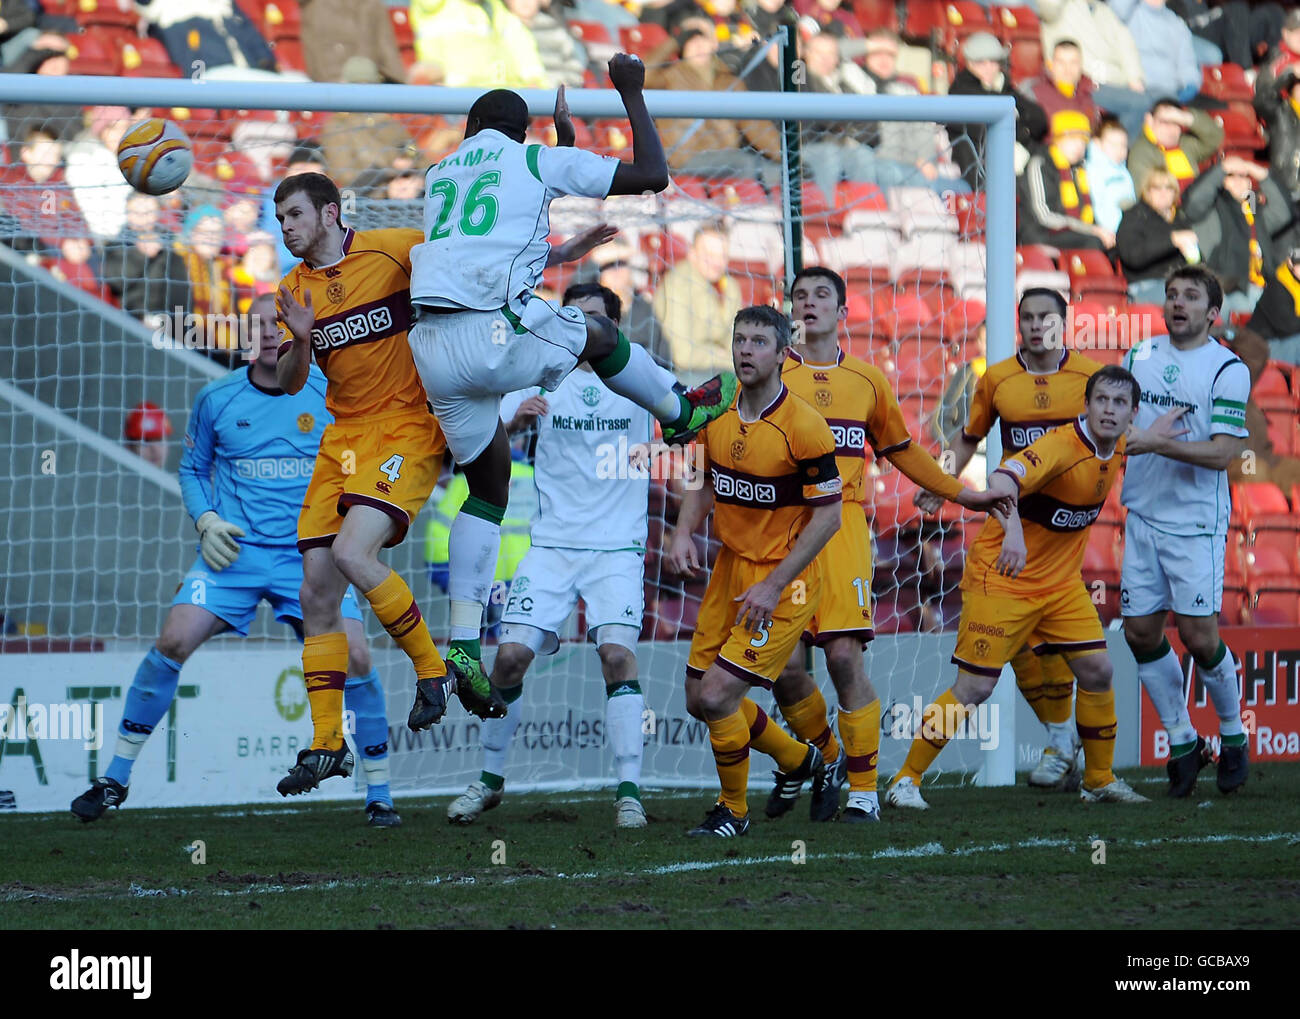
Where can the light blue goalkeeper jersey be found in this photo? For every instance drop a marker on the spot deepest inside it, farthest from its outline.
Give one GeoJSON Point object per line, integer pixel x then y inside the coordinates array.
{"type": "Point", "coordinates": [250, 452]}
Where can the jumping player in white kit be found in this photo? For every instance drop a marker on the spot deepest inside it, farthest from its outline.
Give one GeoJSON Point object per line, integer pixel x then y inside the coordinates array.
{"type": "Point", "coordinates": [1191, 424]}
{"type": "Point", "coordinates": [480, 331]}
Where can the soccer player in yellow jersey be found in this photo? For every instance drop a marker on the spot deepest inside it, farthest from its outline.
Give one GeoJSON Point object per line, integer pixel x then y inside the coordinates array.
{"type": "Point", "coordinates": [1022, 585]}
{"type": "Point", "coordinates": [1029, 394]}
{"type": "Point", "coordinates": [348, 304]}
{"type": "Point", "coordinates": [862, 410]}
{"type": "Point", "coordinates": [775, 493]}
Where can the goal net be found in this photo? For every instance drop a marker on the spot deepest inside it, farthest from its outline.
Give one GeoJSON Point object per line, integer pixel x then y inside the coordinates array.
{"type": "Point", "coordinates": [102, 367]}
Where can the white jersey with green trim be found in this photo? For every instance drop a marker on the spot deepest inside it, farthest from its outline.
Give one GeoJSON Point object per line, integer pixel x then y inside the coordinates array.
{"type": "Point", "coordinates": [590, 496]}
{"type": "Point", "coordinates": [1214, 385]}
{"type": "Point", "coordinates": [486, 218]}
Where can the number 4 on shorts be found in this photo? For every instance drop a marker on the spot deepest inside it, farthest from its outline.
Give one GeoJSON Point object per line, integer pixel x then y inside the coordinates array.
{"type": "Point", "coordinates": [392, 467]}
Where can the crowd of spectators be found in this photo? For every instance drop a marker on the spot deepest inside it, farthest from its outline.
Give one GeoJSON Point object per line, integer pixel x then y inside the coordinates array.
{"type": "Point", "coordinates": [1129, 141]}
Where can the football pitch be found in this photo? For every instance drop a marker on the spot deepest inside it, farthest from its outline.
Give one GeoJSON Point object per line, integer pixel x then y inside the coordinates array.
{"type": "Point", "coordinates": [979, 858]}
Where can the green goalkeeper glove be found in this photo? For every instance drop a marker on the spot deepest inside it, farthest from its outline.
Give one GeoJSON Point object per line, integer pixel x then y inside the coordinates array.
{"type": "Point", "coordinates": [217, 540]}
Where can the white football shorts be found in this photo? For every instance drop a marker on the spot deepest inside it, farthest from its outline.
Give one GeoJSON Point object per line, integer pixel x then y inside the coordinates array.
{"type": "Point", "coordinates": [549, 582]}
{"type": "Point", "coordinates": [468, 360]}
{"type": "Point", "coordinates": [1170, 571]}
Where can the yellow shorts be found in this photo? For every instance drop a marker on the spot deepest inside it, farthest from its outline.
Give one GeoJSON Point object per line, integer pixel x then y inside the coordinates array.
{"type": "Point", "coordinates": [388, 461]}
{"type": "Point", "coordinates": [993, 628]}
{"type": "Point", "coordinates": [845, 608]}
{"type": "Point", "coordinates": [756, 658]}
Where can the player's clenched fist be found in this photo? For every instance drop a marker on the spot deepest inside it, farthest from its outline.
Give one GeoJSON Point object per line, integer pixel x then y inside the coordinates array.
{"type": "Point", "coordinates": [217, 542]}
{"type": "Point", "coordinates": [626, 72]}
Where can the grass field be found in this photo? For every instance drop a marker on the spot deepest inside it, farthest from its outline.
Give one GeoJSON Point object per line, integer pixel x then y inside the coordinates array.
{"type": "Point", "coordinates": [978, 858]}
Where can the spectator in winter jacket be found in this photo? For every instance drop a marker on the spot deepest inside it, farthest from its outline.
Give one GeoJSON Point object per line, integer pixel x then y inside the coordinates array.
{"type": "Point", "coordinates": [334, 30]}
{"type": "Point", "coordinates": [207, 34]}
{"type": "Point", "coordinates": [1177, 139]}
{"type": "Point", "coordinates": [1165, 46]}
{"type": "Point", "coordinates": [1241, 32]}
{"type": "Point", "coordinates": [92, 172]}
{"type": "Point", "coordinates": [354, 143]}
{"type": "Point", "coordinates": [562, 57]}
{"type": "Point", "coordinates": [477, 44]}
{"type": "Point", "coordinates": [1154, 238]}
{"type": "Point", "coordinates": [1281, 112]}
{"type": "Point", "coordinates": [17, 28]}
{"type": "Point", "coordinates": [907, 151]}
{"type": "Point", "coordinates": [1108, 177]}
{"type": "Point", "coordinates": [1242, 221]}
{"type": "Point", "coordinates": [1055, 200]}
{"type": "Point", "coordinates": [34, 193]}
{"type": "Point", "coordinates": [147, 276]}
{"type": "Point", "coordinates": [985, 75]}
{"type": "Point", "coordinates": [747, 148]}
{"type": "Point", "coordinates": [1277, 315]}
{"type": "Point", "coordinates": [696, 302]}
{"type": "Point", "coordinates": [1110, 55]}
{"type": "Point", "coordinates": [1064, 86]}
{"type": "Point", "coordinates": [1286, 55]}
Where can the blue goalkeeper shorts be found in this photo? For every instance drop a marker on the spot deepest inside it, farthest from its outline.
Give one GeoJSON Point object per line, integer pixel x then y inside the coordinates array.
{"type": "Point", "coordinates": [270, 572]}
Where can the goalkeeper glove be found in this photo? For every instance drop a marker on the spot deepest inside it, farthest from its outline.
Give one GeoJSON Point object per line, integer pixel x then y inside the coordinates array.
{"type": "Point", "coordinates": [217, 540]}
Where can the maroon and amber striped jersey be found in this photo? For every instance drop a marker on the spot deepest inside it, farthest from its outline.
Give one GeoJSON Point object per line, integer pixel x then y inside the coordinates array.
{"type": "Point", "coordinates": [767, 475]}
{"type": "Point", "coordinates": [1063, 484]}
{"type": "Point", "coordinates": [858, 403]}
{"type": "Point", "coordinates": [1028, 405]}
{"type": "Point", "coordinates": [363, 310]}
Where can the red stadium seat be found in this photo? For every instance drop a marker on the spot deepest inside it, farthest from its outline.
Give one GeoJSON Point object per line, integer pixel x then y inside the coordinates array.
{"type": "Point", "coordinates": [1035, 258]}
{"type": "Point", "coordinates": [1091, 274]}
{"type": "Point", "coordinates": [1263, 563]}
{"type": "Point", "coordinates": [1241, 130]}
{"type": "Point", "coordinates": [104, 14]}
{"type": "Point", "coordinates": [1271, 383]}
{"type": "Point", "coordinates": [288, 54]}
{"type": "Point", "coordinates": [1284, 432]}
{"type": "Point", "coordinates": [970, 212]}
{"type": "Point", "coordinates": [641, 39]}
{"type": "Point", "coordinates": [693, 187]}
{"type": "Point", "coordinates": [1275, 606]}
{"type": "Point", "coordinates": [873, 14]}
{"type": "Point", "coordinates": [1235, 609]}
{"type": "Point", "coordinates": [590, 32]}
{"type": "Point", "coordinates": [732, 192]}
{"type": "Point", "coordinates": [1226, 82]}
{"type": "Point", "coordinates": [146, 57]}
{"type": "Point", "coordinates": [1258, 500]}
{"type": "Point", "coordinates": [402, 31]}
{"type": "Point", "coordinates": [281, 19]}
{"type": "Point", "coordinates": [89, 54]}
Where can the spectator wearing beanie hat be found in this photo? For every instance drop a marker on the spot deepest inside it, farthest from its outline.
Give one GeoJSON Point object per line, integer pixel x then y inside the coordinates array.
{"type": "Point", "coordinates": [1055, 201]}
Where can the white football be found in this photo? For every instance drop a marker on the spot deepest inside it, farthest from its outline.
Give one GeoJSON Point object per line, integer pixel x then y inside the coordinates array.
{"type": "Point", "coordinates": [155, 156]}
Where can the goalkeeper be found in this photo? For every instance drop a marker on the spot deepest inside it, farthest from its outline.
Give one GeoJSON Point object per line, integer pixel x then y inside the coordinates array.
{"type": "Point", "coordinates": [249, 453]}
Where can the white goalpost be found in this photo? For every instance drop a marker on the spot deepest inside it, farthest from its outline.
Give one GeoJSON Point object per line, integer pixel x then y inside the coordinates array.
{"type": "Point", "coordinates": [91, 552]}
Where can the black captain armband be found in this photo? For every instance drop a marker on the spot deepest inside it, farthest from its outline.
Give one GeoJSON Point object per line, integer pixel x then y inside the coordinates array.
{"type": "Point", "coordinates": [818, 470]}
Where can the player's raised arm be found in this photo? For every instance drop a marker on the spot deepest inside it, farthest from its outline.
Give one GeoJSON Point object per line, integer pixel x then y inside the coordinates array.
{"type": "Point", "coordinates": [295, 353]}
{"type": "Point", "coordinates": [648, 170]}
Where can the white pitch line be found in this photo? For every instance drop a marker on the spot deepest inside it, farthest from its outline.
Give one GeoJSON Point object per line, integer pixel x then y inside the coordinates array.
{"type": "Point", "coordinates": [928, 850]}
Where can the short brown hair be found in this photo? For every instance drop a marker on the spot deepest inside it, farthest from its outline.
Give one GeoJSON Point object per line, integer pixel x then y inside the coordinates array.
{"type": "Point", "coordinates": [1203, 276]}
{"type": "Point", "coordinates": [319, 189]}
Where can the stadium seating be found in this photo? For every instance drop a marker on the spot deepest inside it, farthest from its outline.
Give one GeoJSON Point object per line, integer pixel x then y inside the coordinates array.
{"type": "Point", "coordinates": [1092, 275]}
{"type": "Point", "coordinates": [1226, 82]}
